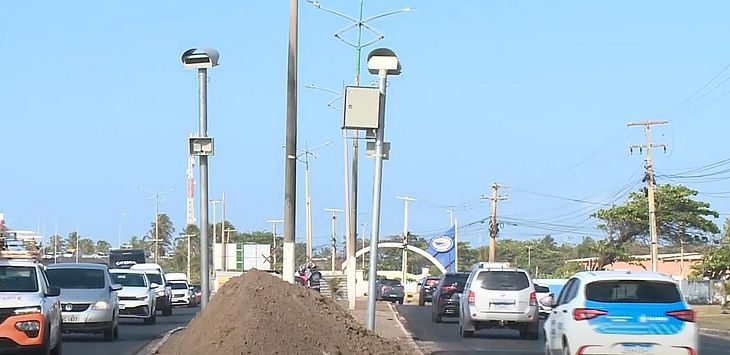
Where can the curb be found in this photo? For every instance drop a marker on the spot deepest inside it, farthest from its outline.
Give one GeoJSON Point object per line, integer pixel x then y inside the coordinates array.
{"type": "Point", "coordinates": [717, 333]}
{"type": "Point", "coordinates": [399, 320]}
{"type": "Point", "coordinates": [152, 347]}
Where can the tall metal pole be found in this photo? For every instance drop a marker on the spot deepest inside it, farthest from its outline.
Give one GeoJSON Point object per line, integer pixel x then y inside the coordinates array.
{"type": "Point", "coordinates": [189, 262]}
{"type": "Point", "coordinates": [334, 235]}
{"type": "Point", "coordinates": [203, 162]}
{"type": "Point", "coordinates": [290, 181]}
{"type": "Point", "coordinates": [363, 225]}
{"type": "Point", "coordinates": [77, 245]}
{"type": "Point", "coordinates": [273, 248]}
{"type": "Point", "coordinates": [157, 224]}
{"type": "Point", "coordinates": [215, 221]}
{"type": "Point", "coordinates": [308, 203]}
{"type": "Point", "coordinates": [404, 260]}
{"type": "Point", "coordinates": [456, 245]}
{"type": "Point", "coordinates": [377, 186]}
{"type": "Point", "coordinates": [350, 231]}
{"type": "Point", "coordinates": [224, 239]}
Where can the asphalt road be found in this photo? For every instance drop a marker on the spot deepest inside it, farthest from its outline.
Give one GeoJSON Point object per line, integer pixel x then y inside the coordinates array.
{"type": "Point", "coordinates": [444, 338]}
{"type": "Point", "coordinates": [133, 335]}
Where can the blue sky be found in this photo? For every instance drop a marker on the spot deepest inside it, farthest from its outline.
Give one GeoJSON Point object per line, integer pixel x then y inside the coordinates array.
{"type": "Point", "coordinates": [531, 94]}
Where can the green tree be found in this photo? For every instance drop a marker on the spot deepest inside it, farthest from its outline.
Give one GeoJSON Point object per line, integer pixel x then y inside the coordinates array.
{"type": "Point", "coordinates": [102, 246]}
{"type": "Point", "coordinates": [680, 220]}
{"type": "Point", "coordinates": [56, 240]}
{"type": "Point", "coordinates": [87, 246]}
{"type": "Point", "coordinates": [165, 232]}
{"type": "Point", "coordinates": [716, 264]}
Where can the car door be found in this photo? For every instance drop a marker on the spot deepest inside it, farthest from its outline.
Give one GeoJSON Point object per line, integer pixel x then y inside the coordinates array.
{"type": "Point", "coordinates": [53, 305]}
{"type": "Point", "coordinates": [561, 315]}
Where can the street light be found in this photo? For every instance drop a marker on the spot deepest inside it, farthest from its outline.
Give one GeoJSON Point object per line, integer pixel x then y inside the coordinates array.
{"type": "Point", "coordinates": [334, 212]}
{"type": "Point", "coordinates": [188, 269]}
{"type": "Point", "coordinates": [202, 146]}
{"type": "Point", "coordinates": [156, 195]}
{"type": "Point", "coordinates": [306, 153]}
{"type": "Point", "coordinates": [384, 62]}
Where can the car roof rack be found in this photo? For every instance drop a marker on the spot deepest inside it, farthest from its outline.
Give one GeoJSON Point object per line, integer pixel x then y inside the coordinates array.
{"type": "Point", "coordinates": [491, 265]}
{"type": "Point", "coordinates": [20, 255]}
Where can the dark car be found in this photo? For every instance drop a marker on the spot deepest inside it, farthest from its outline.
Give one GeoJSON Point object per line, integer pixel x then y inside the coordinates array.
{"type": "Point", "coordinates": [447, 296]}
{"type": "Point", "coordinates": [425, 292]}
{"type": "Point", "coordinates": [389, 290]}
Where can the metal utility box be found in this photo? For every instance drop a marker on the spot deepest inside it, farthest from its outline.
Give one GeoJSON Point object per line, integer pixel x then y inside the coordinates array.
{"type": "Point", "coordinates": [200, 146]}
{"type": "Point", "coordinates": [370, 150]}
{"type": "Point", "coordinates": [361, 108]}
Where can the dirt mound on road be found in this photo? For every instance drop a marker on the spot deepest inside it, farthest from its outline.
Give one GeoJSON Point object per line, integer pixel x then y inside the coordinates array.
{"type": "Point", "coordinates": [258, 313]}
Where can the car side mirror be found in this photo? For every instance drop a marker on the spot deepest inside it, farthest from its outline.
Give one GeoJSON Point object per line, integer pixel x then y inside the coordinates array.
{"type": "Point", "coordinates": [53, 291]}
{"type": "Point", "coordinates": [169, 284]}
{"type": "Point", "coordinates": [154, 285]}
{"type": "Point", "coordinates": [116, 287]}
{"type": "Point", "coordinates": [548, 301]}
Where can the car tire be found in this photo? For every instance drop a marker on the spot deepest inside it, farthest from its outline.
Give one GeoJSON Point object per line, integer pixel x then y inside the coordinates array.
{"type": "Point", "coordinates": [58, 350]}
{"type": "Point", "coordinates": [533, 332]}
{"type": "Point", "coordinates": [566, 349]}
{"type": "Point", "coordinates": [167, 311]}
{"type": "Point", "coordinates": [109, 334]}
{"type": "Point", "coordinates": [421, 300]}
{"type": "Point", "coordinates": [151, 320]}
{"type": "Point", "coordinates": [400, 300]}
{"type": "Point", "coordinates": [435, 317]}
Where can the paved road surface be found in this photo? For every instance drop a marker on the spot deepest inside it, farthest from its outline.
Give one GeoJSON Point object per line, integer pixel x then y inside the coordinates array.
{"type": "Point", "coordinates": [444, 338]}
{"type": "Point", "coordinates": [133, 335]}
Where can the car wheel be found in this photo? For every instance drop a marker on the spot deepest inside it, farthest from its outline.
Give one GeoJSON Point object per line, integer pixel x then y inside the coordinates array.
{"type": "Point", "coordinates": [151, 320]}
{"type": "Point", "coordinates": [167, 311]}
{"type": "Point", "coordinates": [109, 334]}
{"type": "Point", "coordinates": [421, 300]}
{"type": "Point", "coordinates": [58, 350]}
{"type": "Point", "coordinates": [566, 349]}
{"type": "Point", "coordinates": [466, 333]}
{"type": "Point", "coordinates": [435, 317]}
{"type": "Point", "coordinates": [533, 332]}
{"type": "Point", "coordinates": [116, 331]}
{"type": "Point", "coordinates": [400, 301]}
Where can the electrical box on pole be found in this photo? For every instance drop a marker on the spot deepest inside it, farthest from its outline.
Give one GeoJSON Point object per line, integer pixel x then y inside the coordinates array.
{"type": "Point", "coordinates": [361, 108]}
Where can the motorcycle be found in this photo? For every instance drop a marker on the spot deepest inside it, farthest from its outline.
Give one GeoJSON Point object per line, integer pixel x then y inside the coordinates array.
{"type": "Point", "coordinates": [309, 277]}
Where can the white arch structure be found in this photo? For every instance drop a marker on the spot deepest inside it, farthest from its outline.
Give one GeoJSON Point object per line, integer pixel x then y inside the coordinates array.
{"type": "Point", "coordinates": [397, 245]}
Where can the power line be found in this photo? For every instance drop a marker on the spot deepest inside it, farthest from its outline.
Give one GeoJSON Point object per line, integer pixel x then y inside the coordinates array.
{"type": "Point", "coordinates": [702, 88]}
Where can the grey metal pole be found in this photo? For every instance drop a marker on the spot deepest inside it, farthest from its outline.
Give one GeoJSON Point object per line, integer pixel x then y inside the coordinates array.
{"type": "Point", "coordinates": [203, 162]}
{"type": "Point", "coordinates": [377, 185]}
{"type": "Point", "coordinates": [157, 224]}
{"type": "Point", "coordinates": [290, 173]}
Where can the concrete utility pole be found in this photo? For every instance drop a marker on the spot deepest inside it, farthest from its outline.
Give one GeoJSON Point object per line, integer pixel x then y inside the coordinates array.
{"type": "Point", "coordinates": [493, 227]}
{"type": "Point", "coordinates": [649, 166]}
{"type": "Point", "coordinates": [188, 269]}
{"type": "Point", "coordinates": [334, 234]}
{"type": "Point", "coordinates": [290, 171]}
{"type": "Point", "coordinates": [273, 244]}
{"type": "Point", "coordinates": [404, 264]}
{"type": "Point", "coordinates": [157, 195]}
{"type": "Point", "coordinates": [224, 239]}
{"type": "Point", "coordinates": [226, 235]}
{"type": "Point", "coordinates": [363, 225]}
{"type": "Point", "coordinates": [215, 220]}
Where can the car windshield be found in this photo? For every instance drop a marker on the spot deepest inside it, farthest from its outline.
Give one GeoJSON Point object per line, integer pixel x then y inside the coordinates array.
{"type": "Point", "coordinates": [632, 291]}
{"type": "Point", "coordinates": [76, 278]}
{"type": "Point", "coordinates": [179, 286]}
{"type": "Point", "coordinates": [129, 280]}
{"type": "Point", "coordinates": [503, 280]}
{"type": "Point", "coordinates": [457, 280]}
{"type": "Point", "coordinates": [18, 279]}
{"type": "Point", "coordinates": [156, 278]}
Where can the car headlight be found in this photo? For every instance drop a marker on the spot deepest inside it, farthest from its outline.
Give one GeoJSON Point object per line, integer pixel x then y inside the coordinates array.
{"type": "Point", "coordinates": [101, 305]}
{"type": "Point", "coordinates": [161, 293]}
{"type": "Point", "coordinates": [28, 310]}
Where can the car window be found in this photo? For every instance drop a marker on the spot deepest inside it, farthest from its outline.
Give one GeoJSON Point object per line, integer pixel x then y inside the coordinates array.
{"type": "Point", "coordinates": [458, 280]}
{"type": "Point", "coordinates": [179, 286]}
{"type": "Point", "coordinates": [432, 282]}
{"type": "Point", "coordinates": [632, 291]}
{"type": "Point", "coordinates": [563, 298]}
{"type": "Point", "coordinates": [503, 280]}
{"type": "Point", "coordinates": [77, 278]}
{"type": "Point", "coordinates": [155, 278]}
{"type": "Point", "coordinates": [542, 289]}
{"type": "Point", "coordinates": [129, 280]}
{"type": "Point", "coordinates": [18, 279]}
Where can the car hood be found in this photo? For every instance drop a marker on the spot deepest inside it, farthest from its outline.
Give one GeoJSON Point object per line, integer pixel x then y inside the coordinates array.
{"type": "Point", "coordinates": [73, 295]}
{"type": "Point", "coordinates": [133, 291]}
{"type": "Point", "coordinates": [19, 299]}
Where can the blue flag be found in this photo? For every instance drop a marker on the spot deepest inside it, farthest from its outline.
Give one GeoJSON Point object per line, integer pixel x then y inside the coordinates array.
{"type": "Point", "coordinates": [443, 249]}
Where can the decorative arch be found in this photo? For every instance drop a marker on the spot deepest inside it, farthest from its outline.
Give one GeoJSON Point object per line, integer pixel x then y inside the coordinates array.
{"type": "Point", "coordinates": [396, 245]}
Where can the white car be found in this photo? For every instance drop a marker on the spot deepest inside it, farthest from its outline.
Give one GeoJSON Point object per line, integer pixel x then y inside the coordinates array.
{"type": "Point", "coordinates": [498, 296]}
{"type": "Point", "coordinates": [163, 291]}
{"type": "Point", "coordinates": [542, 292]}
{"type": "Point", "coordinates": [620, 312]}
{"type": "Point", "coordinates": [137, 297]}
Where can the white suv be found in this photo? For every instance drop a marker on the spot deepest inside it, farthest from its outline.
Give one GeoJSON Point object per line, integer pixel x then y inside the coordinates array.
{"type": "Point", "coordinates": [499, 296]}
{"type": "Point", "coordinates": [620, 312]}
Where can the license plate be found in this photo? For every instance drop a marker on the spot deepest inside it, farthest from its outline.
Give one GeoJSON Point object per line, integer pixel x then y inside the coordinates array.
{"type": "Point", "coordinates": [638, 349]}
{"type": "Point", "coordinates": [70, 318]}
{"type": "Point", "coordinates": [393, 295]}
{"type": "Point", "coordinates": [122, 306]}
{"type": "Point", "coordinates": [501, 306]}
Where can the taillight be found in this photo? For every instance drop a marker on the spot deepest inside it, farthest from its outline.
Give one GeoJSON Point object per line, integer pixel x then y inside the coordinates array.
{"type": "Point", "coordinates": [441, 300]}
{"type": "Point", "coordinates": [448, 288]}
{"type": "Point", "coordinates": [471, 298]}
{"type": "Point", "coordinates": [533, 298]}
{"type": "Point", "coordinates": [686, 315]}
{"type": "Point", "coordinates": [587, 313]}
{"type": "Point", "coordinates": [690, 351]}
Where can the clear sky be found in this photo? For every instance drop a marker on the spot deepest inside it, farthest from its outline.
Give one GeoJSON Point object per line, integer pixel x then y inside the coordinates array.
{"type": "Point", "coordinates": [531, 94]}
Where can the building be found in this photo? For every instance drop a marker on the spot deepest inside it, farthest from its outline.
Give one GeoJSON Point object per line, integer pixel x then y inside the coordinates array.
{"type": "Point", "coordinates": [678, 266]}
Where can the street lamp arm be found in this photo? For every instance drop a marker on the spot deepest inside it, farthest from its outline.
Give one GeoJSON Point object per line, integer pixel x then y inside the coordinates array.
{"type": "Point", "coordinates": [406, 9]}
{"type": "Point", "coordinates": [376, 40]}
{"type": "Point", "coordinates": [312, 86]}
{"type": "Point", "coordinates": [318, 6]}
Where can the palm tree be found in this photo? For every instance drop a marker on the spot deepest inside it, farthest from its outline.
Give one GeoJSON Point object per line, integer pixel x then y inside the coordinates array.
{"type": "Point", "coordinates": [102, 246]}
{"type": "Point", "coordinates": [71, 241]}
{"type": "Point", "coordinates": [164, 231]}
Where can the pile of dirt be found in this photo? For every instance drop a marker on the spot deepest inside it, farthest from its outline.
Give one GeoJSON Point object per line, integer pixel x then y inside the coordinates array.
{"type": "Point", "coordinates": [258, 313]}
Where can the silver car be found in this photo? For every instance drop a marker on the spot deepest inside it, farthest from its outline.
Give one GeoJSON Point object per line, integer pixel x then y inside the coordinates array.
{"type": "Point", "coordinates": [499, 296]}
{"type": "Point", "coordinates": [89, 302]}
{"type": "Point", "coordinates": [137, 298]}
{"type": "Point", "coordinates": [30, 316]}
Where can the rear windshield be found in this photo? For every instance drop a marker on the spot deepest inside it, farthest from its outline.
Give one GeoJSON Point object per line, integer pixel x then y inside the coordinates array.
{"type": "Point", "coordinates": [633, 291]}
{"type": "Point", "coordinates": [391, 282]}
{"type": "Point", "coordinates": [18, 279]}
{"type": "Point", "coordinates": [156, 278]}
{"type": "Point", "coordinates": [432, 282]}
{"type": "Point", "coordinates": [179, 286]}
{"type": "Point", "coordinates": [542, 289]}
{"type": "Point", "coordinates": [503, 280]}
{"type": "Point", "coordinates": [129, 280]}
{"type": "Point", "coordinates": [457, 280]}
{"type": "Point", "coordinates": [76, 278]}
